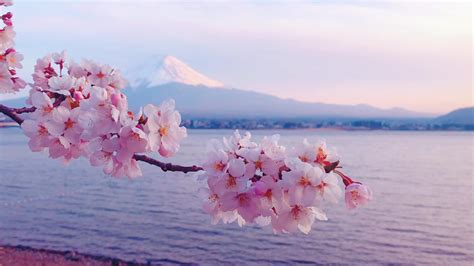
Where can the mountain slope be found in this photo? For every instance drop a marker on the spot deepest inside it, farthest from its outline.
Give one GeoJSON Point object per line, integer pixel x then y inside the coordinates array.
{"type": "Point", "coordinates": [199, 96]}
{"type": "Point", "coordinates": [462, 116]}
{"type": "Point", "coordinates": [162, 70]}
{"type": "Point", "coordinates": [206, 102]}
{"type": "Point", "coordinates": [201, 101]}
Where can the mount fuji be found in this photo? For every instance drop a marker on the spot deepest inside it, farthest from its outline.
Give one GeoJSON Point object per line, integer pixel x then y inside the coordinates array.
{"type": "Point", "coordinates": [167, 69]}
{"type": "Point", "coordinates": [199, 96]}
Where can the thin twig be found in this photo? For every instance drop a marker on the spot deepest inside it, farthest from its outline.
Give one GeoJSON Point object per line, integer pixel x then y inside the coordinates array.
{"type": "Point", "coordinates": [24, 110]}
{"type": "Point", "coordinates": [167, 166]}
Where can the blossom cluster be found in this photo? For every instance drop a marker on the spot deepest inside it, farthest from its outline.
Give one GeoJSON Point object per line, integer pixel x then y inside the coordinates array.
{"type": "Point", "coordinates": [80, 111]}
{"type": "Point", "coordinates": [10, 59]}
{"type": "Point", "coordinates": [266, 184]}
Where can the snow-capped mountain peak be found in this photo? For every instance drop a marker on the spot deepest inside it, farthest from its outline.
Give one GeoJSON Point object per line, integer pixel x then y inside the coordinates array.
{"type": "Point", "coordinates": [167, 69]}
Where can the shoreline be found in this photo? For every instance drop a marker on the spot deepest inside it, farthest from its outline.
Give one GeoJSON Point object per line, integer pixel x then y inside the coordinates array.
{"type": "Point", "coordinates": [24, 255]}
{"type": "Point", "coordinates": [319, 129]}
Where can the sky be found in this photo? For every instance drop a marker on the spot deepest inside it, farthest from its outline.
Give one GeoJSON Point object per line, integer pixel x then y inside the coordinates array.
{"type": "Point", "coordinates": [410, 54]}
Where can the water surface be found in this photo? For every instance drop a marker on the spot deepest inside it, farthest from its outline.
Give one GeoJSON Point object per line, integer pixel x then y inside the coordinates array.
{"type": "Point", "coordinates": [422, 212]}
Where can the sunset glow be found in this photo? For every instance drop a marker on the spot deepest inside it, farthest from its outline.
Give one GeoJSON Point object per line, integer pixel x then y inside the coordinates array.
{"type": "Point", "coordinates": [411, 55]}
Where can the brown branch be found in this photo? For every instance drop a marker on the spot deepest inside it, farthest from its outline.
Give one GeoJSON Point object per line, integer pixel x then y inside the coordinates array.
{"type": "Point", "coordinates": [10, 113]}
{"type": "Point", "coordinates": [167, 166]}
{"type": "Point", "coordinates": [24, 110]}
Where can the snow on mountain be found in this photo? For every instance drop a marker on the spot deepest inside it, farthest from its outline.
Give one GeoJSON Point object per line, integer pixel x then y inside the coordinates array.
{"type": "Point", "coordinates": [196, 95]}
{"type": "Point", "coordinates": [167, 69]}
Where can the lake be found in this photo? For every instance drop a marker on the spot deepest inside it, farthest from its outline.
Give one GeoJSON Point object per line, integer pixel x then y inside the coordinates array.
{"type": "Point", "coordinates": [421, 213]}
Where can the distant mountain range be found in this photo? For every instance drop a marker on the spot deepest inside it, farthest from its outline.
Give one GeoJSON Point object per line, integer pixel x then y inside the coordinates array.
{"type": "Point", "coordinates": [198, 96]}
{"type": "Point", "coordinates": [205, 102]}
{"type": "Point", "coordinates": [462, 116]}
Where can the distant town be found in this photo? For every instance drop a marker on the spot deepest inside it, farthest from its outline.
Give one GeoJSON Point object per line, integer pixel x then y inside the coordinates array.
{"type": "Point", "coordinates": [323, 124]}
{"type": "Point", "coordinates": [300, 123]}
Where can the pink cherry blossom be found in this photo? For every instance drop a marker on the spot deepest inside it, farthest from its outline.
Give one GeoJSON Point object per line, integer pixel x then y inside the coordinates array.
{"type": "Point", "coordinates": [6, 83]}
{"type": "Point", "coordinates": [357, 194]}
{"type": "Point", "coordinates": [329, 189]}
{"type": "Point", "coordinates": [272, 149]}
{"type": "Point", "coordinates": [237, 141]}
{"type": "Point", "coordinates": [265, 185]}
{"type": "Point", "coordinates": [258, 160]}
{"type": "Point", "coordinates": [38, 134]}
{"type": "Point", "coordinates": [217, 160]}
{"type": "Point", "coordinates": [58, 147]}
{"type": "Point", "coordinates": [99, 74]}
{"type": "Point", "coordinates": [6, 38]}
{"type": "Point", "coordinates": [164, 128]}
{"type": "Point", "coordinates": [18, 84]}
{"type": "Point", "coordinates": [62, 84]}
{"type": "Point", "coordinates": [65, 122]}
{"type": "Point", "coordinates": [88, 114]}
{"type": "Point", "coordinates": [104, 152]}
{"type": "Point", "coordinates": [212, 206]}
{"type": "Point", "coordinates": [7, 18]}
{"type": "Point", "coordinates": [13, 59]}
{"type": "Point", "coordinates": [292, 218]}
{"type": "Point", "coordinates": [245, 203]}
{"type": "Point", "coordinates": [129, 168]}
{"type": "Point", "coordinates": [315, 153]}
{"type": "Point", "coordinates": [119, 100]}
{"type": "Point", "coordinates": [9, 58]}
{"type": "Point", "coordinates": [76, 70]}
{"type": "Point", "coordinates": [43, 72]}
{"type": "Point", "coordinates": [116, 80]}
{"type": "Point", "coordinates": [132, 140]}
{"type": "Point", "coordinates": [43, 104]}
{"type": "Point", "coordinates": [60, 59]}
{"type": "Point", "coordinates": [302, 182]}
{"type": "Point", "coordinates": [270, 194]}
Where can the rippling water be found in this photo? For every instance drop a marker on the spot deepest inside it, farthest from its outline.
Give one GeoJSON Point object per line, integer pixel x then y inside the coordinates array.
{"type": "Point", "coordinates": [422, 212]}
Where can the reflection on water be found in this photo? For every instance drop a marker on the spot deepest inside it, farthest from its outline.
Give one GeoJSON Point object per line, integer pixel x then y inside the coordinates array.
{"type": "Point", "coordinates": [421, 213]}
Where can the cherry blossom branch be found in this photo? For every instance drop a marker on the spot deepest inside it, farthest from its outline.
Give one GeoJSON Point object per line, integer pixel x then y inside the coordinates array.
{"type": "Point", "coordinates": [24, 110]}
{"type": "Point", "coordinates": [167, 166]}
{"type": "Point", "coordinates": [292, 188]}
{"type": "Point", "coordinates": [13, 114]}
{"type": "Point", "coordinates": [347, 180]}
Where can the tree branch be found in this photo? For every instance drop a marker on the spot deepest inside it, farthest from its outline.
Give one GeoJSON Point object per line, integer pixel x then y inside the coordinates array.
{"type": "Point", "coordinates": [24, 110]}
{"type": "Point", "coordinates": [167, 166]}
{"type": "Point", "coordinates": [13, 114]}
{"type": "Point", "coordinates": [10, 113]}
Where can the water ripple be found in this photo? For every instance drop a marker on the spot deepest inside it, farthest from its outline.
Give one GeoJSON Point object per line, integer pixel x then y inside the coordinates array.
{"type": "Point", "coordinates": [157, 218]}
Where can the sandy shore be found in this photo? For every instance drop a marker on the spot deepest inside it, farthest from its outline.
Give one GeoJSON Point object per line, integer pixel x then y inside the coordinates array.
{"type": "Point", "coordinates": [20, 255]}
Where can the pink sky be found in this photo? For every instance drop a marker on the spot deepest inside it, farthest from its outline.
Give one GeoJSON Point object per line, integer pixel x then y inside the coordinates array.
{"type": "Point", "coordinates": [416, 56]}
